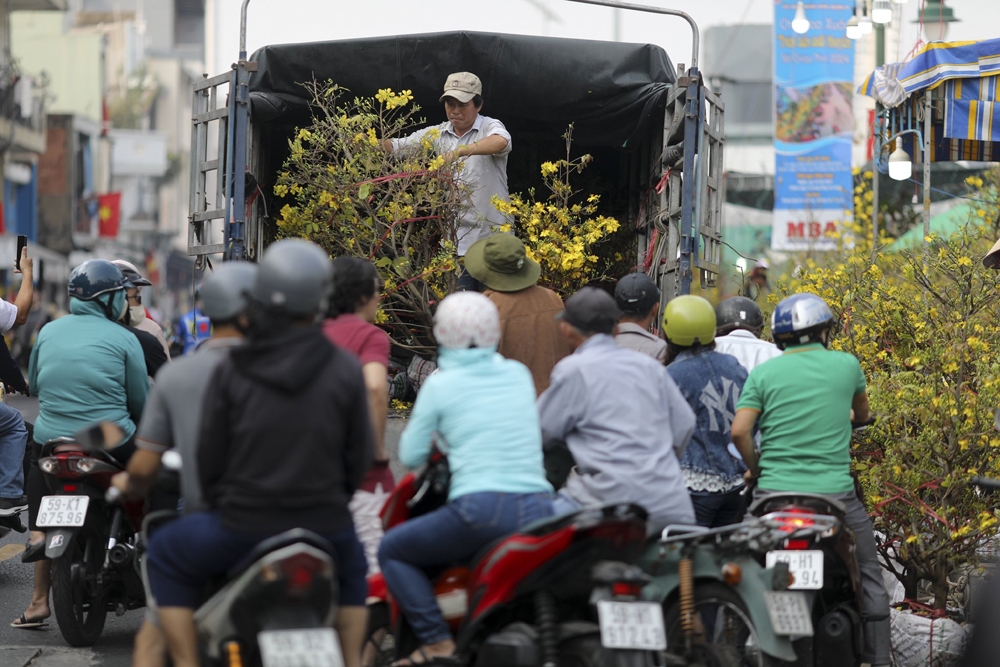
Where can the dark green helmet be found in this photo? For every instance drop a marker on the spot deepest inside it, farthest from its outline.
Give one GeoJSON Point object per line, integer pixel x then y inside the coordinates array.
{"type": "Point", "coordinates": [94, 278]}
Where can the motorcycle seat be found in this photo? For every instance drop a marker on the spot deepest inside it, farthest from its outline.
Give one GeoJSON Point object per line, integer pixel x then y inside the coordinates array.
{"type": "Point", "coordinates": [556, 523]}
{"type": "Point", "coordinates": [817, 502]}
{"type": "Point", "coordinates": [589, 515]}
{"type": "Point", "coordinates": [287, 538]}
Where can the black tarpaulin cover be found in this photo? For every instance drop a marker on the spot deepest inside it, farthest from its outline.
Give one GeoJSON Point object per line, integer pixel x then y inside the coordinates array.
{"type": "Point", "coordinates": [612, 92]}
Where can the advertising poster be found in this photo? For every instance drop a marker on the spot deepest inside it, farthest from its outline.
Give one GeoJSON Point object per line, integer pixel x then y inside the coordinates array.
{"type": "Point", "coordinates": [813, 125]}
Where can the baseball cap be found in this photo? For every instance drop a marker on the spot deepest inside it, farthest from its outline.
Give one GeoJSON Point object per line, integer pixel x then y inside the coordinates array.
{"type": "Point", "coordinates": [636, 293]}
{"type": "Point", "coordinates": [463, 86]}
{"type": "Point", "coordinates": [591, 310]}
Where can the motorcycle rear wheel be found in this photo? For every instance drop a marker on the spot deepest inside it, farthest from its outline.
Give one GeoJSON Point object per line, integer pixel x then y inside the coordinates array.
{"type": "Point", "coordinates": [583, 651]}
{"type": "Point", "coordinates": [730, 634]}
{"type": "Point", "coordinates": [80, 605]}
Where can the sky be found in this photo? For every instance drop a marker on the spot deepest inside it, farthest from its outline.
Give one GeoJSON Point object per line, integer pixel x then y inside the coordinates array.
{"type": "Point", "coordinates": [283, 21]}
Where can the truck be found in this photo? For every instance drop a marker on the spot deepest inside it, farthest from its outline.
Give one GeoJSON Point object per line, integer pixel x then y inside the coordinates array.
{"type": "Point", "coordinates": [655, 131]}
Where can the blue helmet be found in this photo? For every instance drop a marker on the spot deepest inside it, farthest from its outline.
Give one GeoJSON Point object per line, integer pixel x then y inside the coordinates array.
{"type": "Point", "coordinates": [800, 319]}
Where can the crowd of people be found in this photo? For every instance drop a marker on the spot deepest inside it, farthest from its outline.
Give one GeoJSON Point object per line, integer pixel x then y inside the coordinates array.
{"type": "Point", "coordinates": [542, 407]}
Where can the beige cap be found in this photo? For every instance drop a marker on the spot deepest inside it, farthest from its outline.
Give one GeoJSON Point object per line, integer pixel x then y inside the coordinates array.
{"type": "Point", "coordinates": [992, 259]}
{"type": "Point", "coordinates": [463, 86]}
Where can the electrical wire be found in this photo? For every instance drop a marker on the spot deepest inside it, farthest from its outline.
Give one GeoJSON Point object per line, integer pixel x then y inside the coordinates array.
{"type": "Point", "coordinates": [953, 196]}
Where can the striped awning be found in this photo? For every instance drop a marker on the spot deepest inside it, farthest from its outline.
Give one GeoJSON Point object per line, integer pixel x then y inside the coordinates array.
{"type": "Point", "coordinates": [936, 62]}
{"type": "Point", "coordinates": [969, 72]}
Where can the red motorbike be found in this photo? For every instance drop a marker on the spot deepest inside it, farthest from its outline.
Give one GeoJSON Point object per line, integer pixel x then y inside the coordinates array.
{"type": "Point", "coordinates": [90, 542]}
{"type": "Point", "coordinates": [531, 598]}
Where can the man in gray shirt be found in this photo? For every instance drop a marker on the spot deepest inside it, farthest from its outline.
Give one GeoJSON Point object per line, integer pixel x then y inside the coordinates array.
{"type": "Point", "coordinates": [172, 415]}
{"type": "Point", "coordinates": [638, 299]}
{"type": "Point", "coordinates": [622, 417]}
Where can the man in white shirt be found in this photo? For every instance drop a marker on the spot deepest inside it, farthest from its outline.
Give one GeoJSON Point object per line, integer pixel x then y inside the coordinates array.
{"type": "Point", "coordinates": [13, 434]}
{"type": "Point", "coordinates": [484, 144]}
{"type": "Point", "coordinates": [739, 323]}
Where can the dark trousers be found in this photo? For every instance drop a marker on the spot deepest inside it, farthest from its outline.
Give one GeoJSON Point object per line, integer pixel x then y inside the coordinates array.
{"type": "Point", "coordinates": [186, 554]}
{"type": "Point", "coordinates": [715, 510]}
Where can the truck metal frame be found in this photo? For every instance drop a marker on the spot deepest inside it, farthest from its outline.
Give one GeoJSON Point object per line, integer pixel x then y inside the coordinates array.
{"type": "Point", "coordinates": [680, 233]}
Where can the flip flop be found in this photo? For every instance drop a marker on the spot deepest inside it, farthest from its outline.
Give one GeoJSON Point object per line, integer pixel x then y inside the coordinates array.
{"type": "Point", "coordinates": [25, 624]}
{"type": "Point", "coordinates": [428, 660]}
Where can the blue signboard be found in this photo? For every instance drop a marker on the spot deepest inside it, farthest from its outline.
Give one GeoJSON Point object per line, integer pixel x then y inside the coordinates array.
{"type": "Point", "coordinates": [813, 125]}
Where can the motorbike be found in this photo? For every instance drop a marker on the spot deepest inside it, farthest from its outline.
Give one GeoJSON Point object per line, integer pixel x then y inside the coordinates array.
{"type": "Point", "coordinates": [720, 605]}
{"type": "Point", "coordinates": [90, 542]}
{"type": "Point", "coordinates": [275, 607]}
{"type": "Point", "coordinates": [563, 590]}
{"type": "Point", "coordinates": [824, 577]}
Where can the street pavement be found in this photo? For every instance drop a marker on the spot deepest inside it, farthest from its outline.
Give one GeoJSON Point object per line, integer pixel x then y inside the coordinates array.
{"type": "Point", "coordinates": [46, 647]}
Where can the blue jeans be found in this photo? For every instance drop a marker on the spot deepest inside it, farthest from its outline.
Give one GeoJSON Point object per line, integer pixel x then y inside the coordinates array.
{"type": "Point", "coordinates": [186, 554]}
{"type": "Point", "coordinates": [13, 440]}
{"type": "Point", "coordinates": [452, 534]}
{"type": "Point", "coordinates": [715, 510]}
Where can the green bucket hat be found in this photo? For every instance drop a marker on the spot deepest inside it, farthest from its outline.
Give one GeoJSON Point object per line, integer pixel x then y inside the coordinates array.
{"type": "Point", "coordinates": [499, 262]}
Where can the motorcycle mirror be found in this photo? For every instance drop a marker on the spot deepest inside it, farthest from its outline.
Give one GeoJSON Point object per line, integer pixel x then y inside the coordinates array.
{"type": "Point", "coordinates": [172, 460]}
{"type": "Point", "coordinates": [996, 419]}
{"type": "Point", "coordinates": [102, 435]}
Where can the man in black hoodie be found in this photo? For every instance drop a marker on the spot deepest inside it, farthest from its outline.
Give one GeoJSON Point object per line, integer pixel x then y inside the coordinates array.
{"type": "Point", "coordinates": [284, 442]}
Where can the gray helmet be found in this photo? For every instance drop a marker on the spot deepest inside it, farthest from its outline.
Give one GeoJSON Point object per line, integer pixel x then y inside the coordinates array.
{"type": "Point", "coordinates": [225, 292]}
{"type": "Point", "coordinates": [295, 279]}
{"type": "Point", "coordinates": [131, 273]}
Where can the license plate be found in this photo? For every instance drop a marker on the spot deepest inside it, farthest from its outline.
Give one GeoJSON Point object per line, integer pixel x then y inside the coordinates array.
{"type": "Point", "coordinates": [62, 511]}
{"type": "Point", "coordinates": [632, 625]}
{"type": "Point", "coordinates": [789, 612]}
{"type": "Point", "coordinates": [315, 647]}
{"type": "Point", "coordinates": [806, 568]}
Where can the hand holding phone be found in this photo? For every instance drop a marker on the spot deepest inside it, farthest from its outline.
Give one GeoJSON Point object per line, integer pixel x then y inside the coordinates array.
{"type": "Point", "coordinates": [22, 245]}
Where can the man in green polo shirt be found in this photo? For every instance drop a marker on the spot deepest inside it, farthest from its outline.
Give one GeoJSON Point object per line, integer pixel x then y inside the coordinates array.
{"type": "Point", "coordinates": [803, 401]}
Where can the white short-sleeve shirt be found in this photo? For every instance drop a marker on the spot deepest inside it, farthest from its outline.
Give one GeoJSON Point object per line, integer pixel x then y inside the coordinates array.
{"type": "Point", "coordinates": [8, 314]}
{"type": "Point", "coordinates": [485, 174]}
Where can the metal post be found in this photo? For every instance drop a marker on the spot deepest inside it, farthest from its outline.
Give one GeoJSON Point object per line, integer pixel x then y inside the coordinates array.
{"type": "Point", "coordinates": [689, 193]}
{"type": "Point", "coordinates": [651, 10]}
{"type": "Point", "coordinates": [928, 139]}
{"type": "Point", "coordinates": [877, 144]}
{"type": "Point", "coordinates": [243, 30]}
{"type": "Point", "coordinates": [239, 110]}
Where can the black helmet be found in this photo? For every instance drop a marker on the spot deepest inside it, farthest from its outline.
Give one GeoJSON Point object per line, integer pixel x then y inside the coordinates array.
{"type": "Point", "coordinates": [295, 279]}
{"type": "Point", "coordinates": [131, 273]}
{"type": "Point", "coordinates": [94, 278]}
{"type": "Point", "coordinates": [225, 292]}
{"type": "Point", "coordinates": [738, 312]}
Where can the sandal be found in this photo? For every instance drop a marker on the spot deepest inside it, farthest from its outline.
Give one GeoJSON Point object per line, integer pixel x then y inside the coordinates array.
{"type": "Point", "coordinates": [428, 660]}
{"type": "Point", "coordinates": [25, 624]}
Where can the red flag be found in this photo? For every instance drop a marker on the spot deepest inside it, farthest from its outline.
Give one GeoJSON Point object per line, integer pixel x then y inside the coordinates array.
{"type": "Point", "coordinates": [109, 213]}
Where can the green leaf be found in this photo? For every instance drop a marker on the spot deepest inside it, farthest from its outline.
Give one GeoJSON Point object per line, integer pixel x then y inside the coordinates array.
{"type": "Point", "coordinates": [365, 190]}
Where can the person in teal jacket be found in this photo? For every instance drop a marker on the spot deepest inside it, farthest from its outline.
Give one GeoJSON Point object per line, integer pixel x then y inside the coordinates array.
{"type": "Point", "coordinates": [481, 409]}
{"type": "Point", "coordinates": [84, 368]}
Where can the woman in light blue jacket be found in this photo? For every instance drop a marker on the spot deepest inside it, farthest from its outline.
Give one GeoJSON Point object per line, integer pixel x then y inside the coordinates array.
{"type": "Point", "coordinates": [481, 407]}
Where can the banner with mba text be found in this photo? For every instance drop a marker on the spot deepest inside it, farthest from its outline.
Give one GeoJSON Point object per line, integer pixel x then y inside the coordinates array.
{"type": "Point", "coordinates": [813, 125]}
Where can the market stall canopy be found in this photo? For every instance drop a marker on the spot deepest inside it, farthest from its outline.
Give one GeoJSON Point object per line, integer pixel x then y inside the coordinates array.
{"type": "Point", "coordinates": [968, 71]}
{"type": "Point", "coordinates": [611, 91]}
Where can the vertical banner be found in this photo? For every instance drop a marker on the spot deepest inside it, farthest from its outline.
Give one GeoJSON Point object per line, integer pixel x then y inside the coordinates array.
{"type": "Point", "coordinates": [813, 125]}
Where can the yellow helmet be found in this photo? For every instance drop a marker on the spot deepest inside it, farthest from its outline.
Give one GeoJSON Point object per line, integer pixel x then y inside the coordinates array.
{"type": "Point", "coordinates": [688, 320]}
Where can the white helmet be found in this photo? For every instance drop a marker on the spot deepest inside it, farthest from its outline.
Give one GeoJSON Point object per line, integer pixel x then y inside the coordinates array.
{"type": "Point", "coordinates": [467, 319]}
